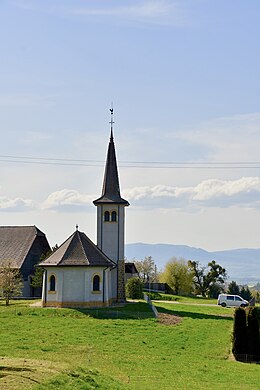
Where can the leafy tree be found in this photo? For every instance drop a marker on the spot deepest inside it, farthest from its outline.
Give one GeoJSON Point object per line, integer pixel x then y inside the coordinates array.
{"type": "Point", "coordinates": [178, 276]}
{"type": "Point", "coordinates": [147, 270]}
{"type": "Point", "coordinates": [245, 293]}
{"type": "Point", "coordinates": [256, 295]}
{"type": "Point", "coordinates": [11, 283]}
{"type": "Point", "coordinates": [134, 288]}
{"type": "Point", "coordinates": [204, 279]}
{"type": "Point", "coordinates": [215, 289]}
{"type": "Point", "coordinates": [37, 278]}
{"type": "Point", "coordinates": [233, 288]}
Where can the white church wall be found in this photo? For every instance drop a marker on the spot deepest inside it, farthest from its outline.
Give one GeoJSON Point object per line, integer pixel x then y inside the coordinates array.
{"type": "Point", "coordinates": [74, 287]}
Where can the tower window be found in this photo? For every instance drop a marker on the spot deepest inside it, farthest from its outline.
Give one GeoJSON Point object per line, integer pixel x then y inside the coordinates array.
{"type": "Point", "coordinates": [96, 283]}
{"type": "Point", "coordinates": [106, 216]}
{"type": "Point", "coordinates": [113, 216]}
{"type": "Point", "coordinates": [52, 283]}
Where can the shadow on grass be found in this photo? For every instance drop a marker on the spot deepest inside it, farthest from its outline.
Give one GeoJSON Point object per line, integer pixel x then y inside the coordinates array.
{"type": "Point", "coordinates": [15, 369]}
{"type": "Point", "coordinates": [130, 311]}
{"type": "Point", "coordinates": [201, 316]}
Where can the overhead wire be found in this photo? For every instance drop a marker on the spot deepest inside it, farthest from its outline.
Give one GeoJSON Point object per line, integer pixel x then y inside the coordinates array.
{"type": "Point", "coordinates": [132, 164]}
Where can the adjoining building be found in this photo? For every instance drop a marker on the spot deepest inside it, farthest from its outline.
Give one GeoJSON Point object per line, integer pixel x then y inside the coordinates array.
{"type": "Point", "coordinates": [21, 247]}
{"type": "Point", "coordinates": [82, 274]}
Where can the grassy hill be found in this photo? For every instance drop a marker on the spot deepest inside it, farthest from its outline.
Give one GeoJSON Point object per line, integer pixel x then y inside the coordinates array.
{"type": "Point", "coordinates": [123, 348]}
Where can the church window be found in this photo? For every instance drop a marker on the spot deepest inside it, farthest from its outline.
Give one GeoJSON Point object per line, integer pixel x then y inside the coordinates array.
{"type": "Point", "coordinates": [52, 283]}
{"type": "Point", "coordinates": [113, 216]}
{"type": "Point", "coordinates": [96, 283]}
{"type": "Point", "coordinates": [106, 216]}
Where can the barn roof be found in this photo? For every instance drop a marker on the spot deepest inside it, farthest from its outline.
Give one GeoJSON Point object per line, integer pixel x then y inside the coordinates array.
{"type": "Point", "coordinates": [16, 242]}
{"type": "Point", "coordinates": [78, 250]}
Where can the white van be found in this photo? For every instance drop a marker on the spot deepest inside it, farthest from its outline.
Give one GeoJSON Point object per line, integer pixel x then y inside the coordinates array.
{"type": "Point", "coordinates": [231, 300]}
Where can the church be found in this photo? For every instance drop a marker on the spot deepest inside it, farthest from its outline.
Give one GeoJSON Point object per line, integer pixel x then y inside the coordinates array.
{"type": "Point", "coordinates": [82, 274]}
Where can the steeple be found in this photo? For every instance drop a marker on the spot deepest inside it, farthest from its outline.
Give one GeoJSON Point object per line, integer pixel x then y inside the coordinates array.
{"type": "Point", "coordinates": [111, 220]}
{"type": "Point", "coordinates": [111, 189]}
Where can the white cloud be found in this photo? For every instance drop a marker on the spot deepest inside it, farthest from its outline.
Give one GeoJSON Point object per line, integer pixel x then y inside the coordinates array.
{"type": "Point", "coordinates": [227, 139]}
{"type": "Point", "coordinates": [16, 204]}
{"type": "Point", "coordinates": [151, 11]}
{"type": "Point", "coordinates": [244, 192]}
{"type": "Point", "coordinates": [70, 200]}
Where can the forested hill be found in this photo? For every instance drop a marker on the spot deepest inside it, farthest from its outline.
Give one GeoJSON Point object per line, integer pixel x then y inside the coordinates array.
{"type": "Point", "coordinates": [242, 265]}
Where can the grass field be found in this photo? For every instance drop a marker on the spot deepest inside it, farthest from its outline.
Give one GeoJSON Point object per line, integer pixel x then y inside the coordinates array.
{"type": "Point", "coordinates": [123, 348]}
{"type": "Point", "coordinates": [180, 299]}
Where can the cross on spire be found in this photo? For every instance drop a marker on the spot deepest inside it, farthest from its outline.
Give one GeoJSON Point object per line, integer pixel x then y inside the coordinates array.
{"type": "Point", "coordinates": [111, 120]}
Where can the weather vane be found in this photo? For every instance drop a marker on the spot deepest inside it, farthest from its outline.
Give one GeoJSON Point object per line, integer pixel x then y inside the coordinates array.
{"type": "Point", "coordinates": [111, 118]}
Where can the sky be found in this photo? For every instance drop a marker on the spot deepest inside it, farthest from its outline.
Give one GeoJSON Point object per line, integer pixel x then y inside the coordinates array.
{"type": "Point", "coordinates": [184, 80]}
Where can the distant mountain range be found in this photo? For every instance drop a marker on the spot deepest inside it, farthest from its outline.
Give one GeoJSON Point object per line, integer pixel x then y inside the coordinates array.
{"type": "Point", "coordinates": [242, 265]}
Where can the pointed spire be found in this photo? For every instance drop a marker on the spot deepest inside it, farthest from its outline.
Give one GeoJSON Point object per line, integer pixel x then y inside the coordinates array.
{"type": "Point", "coordinates": [111, 188]}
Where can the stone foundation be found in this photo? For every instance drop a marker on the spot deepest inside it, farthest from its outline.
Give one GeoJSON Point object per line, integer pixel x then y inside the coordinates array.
{"type": "Point", "coordinates": [87, 305]}
{"type": "Point", "coordinates": [121, 281]}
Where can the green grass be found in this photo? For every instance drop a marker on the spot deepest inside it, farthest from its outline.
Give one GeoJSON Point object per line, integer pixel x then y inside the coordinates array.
{"type": "Point", "coordinates": [180, 299]}
{"type": "Point", "coordinates": [124, 348]}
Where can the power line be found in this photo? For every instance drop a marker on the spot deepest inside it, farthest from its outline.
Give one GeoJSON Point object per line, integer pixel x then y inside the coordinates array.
{"type": "Point", "coordinates": [131, 164]}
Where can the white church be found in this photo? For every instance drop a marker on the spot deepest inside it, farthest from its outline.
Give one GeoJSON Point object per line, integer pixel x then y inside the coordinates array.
{"type": "Point", "coordinates": [82, 274]}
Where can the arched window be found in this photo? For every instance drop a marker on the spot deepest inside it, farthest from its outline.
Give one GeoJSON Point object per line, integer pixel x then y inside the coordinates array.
{"type": "Point", "coordinates": [113, 216]}
{"type": "Point", "coordinates": [106, 216]}
{"type": "Point", "coordinates": [96, 283]}
{"type": "Point", "coordinates": [52, 283]}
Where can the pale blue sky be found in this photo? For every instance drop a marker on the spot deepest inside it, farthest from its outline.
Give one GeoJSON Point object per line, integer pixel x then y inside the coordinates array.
{"type": "Point", "coordinates": [184, 80]}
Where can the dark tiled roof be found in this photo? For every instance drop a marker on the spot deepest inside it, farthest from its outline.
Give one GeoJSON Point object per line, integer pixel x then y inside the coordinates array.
{"type": "Point", "coordinates": [77, 250]}
{"type": "Point", "coordinates": [111, 189]}
{"type": "Point", "coordinates": [15, 243]}
{"type": "Point", "coordinates": [130, 268]}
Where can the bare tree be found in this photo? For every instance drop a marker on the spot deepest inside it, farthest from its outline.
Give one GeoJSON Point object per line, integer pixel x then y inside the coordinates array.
{"type": "Point", "coordinates": [147, 270]}
{"type": "Point", "coordinates": [11, 283]}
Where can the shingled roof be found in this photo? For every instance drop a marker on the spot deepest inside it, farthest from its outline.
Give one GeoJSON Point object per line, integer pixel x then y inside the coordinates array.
{"type": "Point", "coordinates": [78, 250]}
{"type": "Point", "coordinates": [16, 242]}
{"type": "Point", "coordinates": [111, 188]}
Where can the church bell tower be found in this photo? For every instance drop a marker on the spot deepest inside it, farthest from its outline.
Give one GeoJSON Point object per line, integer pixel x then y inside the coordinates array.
{"type": "Point", "coordinates": [111, 220]}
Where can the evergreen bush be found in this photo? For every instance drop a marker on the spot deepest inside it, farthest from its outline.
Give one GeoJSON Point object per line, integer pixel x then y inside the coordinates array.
{"type": "Point", "coordinates": [239, 334]}
{"type": "Point", "coordinates": [253, 337]}
{"type": "Point", "coordinates": [134, 288]}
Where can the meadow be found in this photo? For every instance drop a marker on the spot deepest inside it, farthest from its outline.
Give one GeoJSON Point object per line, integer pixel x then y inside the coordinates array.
{"type": "Point", "coordinates": [123, 348]}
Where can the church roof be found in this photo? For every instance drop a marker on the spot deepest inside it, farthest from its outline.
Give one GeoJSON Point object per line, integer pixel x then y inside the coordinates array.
{"type": "Point", "coordinates": [78, 250]}
{"type": "Point", "coordinates": [16, 242]}
{"type": "Point", "coordinates": [111, 189]}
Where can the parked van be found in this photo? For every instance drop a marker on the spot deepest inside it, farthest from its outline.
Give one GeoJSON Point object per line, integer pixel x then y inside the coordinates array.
{"type": "Point", "coordinates": [231, 300]}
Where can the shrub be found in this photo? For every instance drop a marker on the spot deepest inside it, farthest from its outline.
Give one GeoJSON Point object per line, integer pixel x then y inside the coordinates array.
{"type": "Point", "coordinates": [154, 295]}
{"type": "Point", "coordinates": [134, 288]}
{"type": "Point", "coordinates": [239, 334]}
{"type": "Point", "coordinates": [253, 338]}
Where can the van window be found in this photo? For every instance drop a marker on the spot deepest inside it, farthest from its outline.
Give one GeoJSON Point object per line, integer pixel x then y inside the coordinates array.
{"type": "Point", "coordinates": [238, 299]}
{"type": "Point", "coordinates": [230, 298]}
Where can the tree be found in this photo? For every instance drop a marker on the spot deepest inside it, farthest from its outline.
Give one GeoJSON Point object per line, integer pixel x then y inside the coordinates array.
{"type": "Point", "coordinates": [239, 345]}
{"type": "Point", "coordinates": [205, 281]}
{"type": "Point", "coordinates": [134, 288]}
{"type": "Point", "coordinates": [233, 288]}
{"type": "Point", "coordinates": [178, 276]}
{"type": "Point", "coordinates": [37, 278]}
{"type": "Point", "coordinates": [11, 283]}
{"type": "Point", "coordinates": [147, 270]}
{"type": "Point", "coordinates": [253, 337]}
{"type": "Point", "coordinates": [245, 293]}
